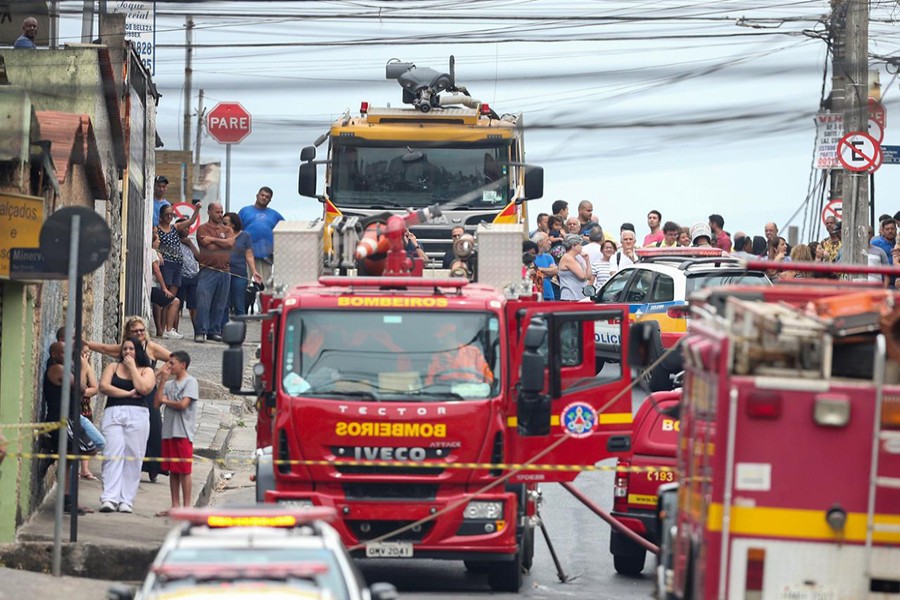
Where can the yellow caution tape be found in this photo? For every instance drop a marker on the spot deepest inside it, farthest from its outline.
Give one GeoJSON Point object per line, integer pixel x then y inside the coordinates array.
{"type": "Point", "coordinates": [367, 463]}
{"type": "Point", "coordinates": [40, 427]}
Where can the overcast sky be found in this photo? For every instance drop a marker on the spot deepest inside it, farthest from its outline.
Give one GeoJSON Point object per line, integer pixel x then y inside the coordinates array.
{"type": "Point", "coordinates": [687, 108]}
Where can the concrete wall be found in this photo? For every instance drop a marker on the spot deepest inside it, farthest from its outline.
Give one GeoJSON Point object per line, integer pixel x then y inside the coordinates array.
{"type": "Point", "coordinates": [68, 80]}
{"type": "Point", "coordinates": [17, 388]}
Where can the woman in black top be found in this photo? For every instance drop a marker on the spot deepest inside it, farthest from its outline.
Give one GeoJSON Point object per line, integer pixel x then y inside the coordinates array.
{"type": "Point", "coordinates": [128, 385]}
{"type": "Point", "coordinates": [136, 328]}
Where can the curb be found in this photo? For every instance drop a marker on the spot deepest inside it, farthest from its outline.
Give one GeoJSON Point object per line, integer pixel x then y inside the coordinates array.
{"type": "Point", "coordinates": [204, 495]}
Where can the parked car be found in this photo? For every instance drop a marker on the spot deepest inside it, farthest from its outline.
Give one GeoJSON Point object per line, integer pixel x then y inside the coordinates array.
{"type": "Point", "coordinates": [656, 289]}
{"type": "Point", "coordinates": [653, 447]}
{"type": "Point", "coordinates": [258, 552]}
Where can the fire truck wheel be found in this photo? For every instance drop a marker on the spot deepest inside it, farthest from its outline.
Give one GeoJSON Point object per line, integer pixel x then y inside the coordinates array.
{"type": "Point", "coordinates": [476, 566]}
{"type": "Point", "coordinates": [506, 576]}
{"type": "Point", "coordinates": [265, 474]}
{"type": "Point", "coordinates": [528, 547]}
{"type": "Point", "coordinates": [630, 565]}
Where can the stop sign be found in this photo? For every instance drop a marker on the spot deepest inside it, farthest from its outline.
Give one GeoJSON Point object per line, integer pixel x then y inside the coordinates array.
{"type": "Point", "coordinates": [228, 122]}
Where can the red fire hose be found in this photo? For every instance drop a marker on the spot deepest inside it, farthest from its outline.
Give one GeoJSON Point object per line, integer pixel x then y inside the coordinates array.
{"type": "Point", "coordinates": [613, 522]}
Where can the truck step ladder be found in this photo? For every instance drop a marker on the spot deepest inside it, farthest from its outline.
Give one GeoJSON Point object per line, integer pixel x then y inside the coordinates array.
{"type": "Point", "coordinates": [876, 479]}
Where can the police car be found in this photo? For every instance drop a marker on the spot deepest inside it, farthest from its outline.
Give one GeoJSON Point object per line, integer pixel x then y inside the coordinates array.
{"type": "Point", "coordinates": [258, 552]}
{"type": "Point", "coordinates": [656, 289]}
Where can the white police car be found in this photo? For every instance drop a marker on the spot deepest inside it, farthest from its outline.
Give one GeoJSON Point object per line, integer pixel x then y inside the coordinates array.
{"type": "Point", "coordinates": [656, 289]}
{"type": "Point", "coordinates": [259, 552]}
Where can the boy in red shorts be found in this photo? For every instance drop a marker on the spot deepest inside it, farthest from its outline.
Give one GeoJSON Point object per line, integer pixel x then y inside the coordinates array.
{"type": "Point", "coordinates": [178, 396]}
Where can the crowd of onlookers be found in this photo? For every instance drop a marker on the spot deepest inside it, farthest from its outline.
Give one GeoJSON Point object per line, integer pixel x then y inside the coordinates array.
{"type": "Point", "coordinates": [573, 251]}
{"type": "Point", "coordinates": [233, 252]}
{"type": "Point", "coordinates": [148, 418]}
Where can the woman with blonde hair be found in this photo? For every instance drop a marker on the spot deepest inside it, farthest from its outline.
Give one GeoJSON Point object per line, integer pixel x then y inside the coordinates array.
{"type": "Point", "coordinates": [134, 327]}
{"type": "Point", "coordinates": [799, 253]}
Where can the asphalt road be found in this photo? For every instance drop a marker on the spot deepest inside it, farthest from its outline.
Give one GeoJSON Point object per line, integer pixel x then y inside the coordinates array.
{"type": "Point", "coordinates": [580, 538]}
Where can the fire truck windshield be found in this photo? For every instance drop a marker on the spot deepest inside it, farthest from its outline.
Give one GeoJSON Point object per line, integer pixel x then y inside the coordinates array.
{"type": "Point", "coordinates": [392, 356]}
{"type": "Point", "coordinates": [413, 175]}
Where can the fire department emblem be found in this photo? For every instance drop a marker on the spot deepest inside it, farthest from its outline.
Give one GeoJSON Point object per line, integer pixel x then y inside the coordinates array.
{"type": "Point", "coordinates": [579, 419]}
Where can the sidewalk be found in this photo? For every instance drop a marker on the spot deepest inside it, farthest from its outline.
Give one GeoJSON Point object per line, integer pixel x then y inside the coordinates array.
{"type": "Point", "coordinates": [118, 546]}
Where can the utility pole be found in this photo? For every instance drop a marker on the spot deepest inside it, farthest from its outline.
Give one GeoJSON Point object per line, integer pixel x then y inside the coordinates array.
{"type": "Point", "coordinates": [188, 71]}
{"type": "Point", "coordinates": [200, 118]}
{"type": "Point", "coordinates": [54, 24]}
{"type": "Point", "coordinates": [87, 22]}
{"type": "Point", "coordinates": [855, 186]}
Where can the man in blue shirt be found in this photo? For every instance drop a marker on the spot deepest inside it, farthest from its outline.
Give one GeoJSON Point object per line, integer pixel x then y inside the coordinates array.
{"type": "Point", "coordinates": [159, 197]}
{"type": "Point", "coordinates": [886, 242]}
{"type": "Point", "coordinates": [888, 238]}
{"type": "Point", "coordinates": [259, 221]}
{"type": "Point", "coordinates": [29, 32]}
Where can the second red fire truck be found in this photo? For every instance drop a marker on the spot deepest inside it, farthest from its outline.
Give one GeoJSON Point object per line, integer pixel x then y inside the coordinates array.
{"type": "Point", "coordinates": [789, 447]}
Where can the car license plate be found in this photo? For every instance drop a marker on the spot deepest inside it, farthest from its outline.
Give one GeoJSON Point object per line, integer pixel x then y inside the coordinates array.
{"type": "Point", "coordinates": [389, 550]}
{"type": "Point", "coordinates": [808, 592]}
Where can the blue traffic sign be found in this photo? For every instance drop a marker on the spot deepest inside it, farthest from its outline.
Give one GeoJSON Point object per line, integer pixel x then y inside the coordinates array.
{"type": "Point", "coordinates": [891, 155]}
{"type": "Point", "coordinates": [27, 264]}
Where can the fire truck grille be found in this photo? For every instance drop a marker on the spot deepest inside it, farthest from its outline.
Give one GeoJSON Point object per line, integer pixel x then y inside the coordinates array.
{"type": "Point", "coordinates": [374, 529]}
{"type": "Point", "coordinates": [390, 491]}
{"type": "Point", "coordinates": [366, 470]}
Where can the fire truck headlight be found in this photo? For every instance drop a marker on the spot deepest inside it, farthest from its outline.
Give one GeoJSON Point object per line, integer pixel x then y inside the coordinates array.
{"type": "Point", "coordinates": [832, 411]}
{"type": "Point", "coordinates": [836, 517]}
{"type": "Point", "coordinates": [480, 509]}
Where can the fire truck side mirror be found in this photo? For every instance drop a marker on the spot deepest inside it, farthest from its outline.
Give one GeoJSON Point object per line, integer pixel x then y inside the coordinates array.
{"type": "Point", "coordinates": [533, 407]}
{"type": "Point", "coordinates": [308, 154]}
{"type": "Point", "coordinates": [233, 368]}
{"type": "Point", "coordinates": [532, 372]}
{"type": "Point", "coordinates": [307, 182]}
{"type": "Point", "coordinates": [534, 182]}
{"type": "Point", "coordinates": [233, 334]}
{"type": "Point", "coordinates": [641, 344]}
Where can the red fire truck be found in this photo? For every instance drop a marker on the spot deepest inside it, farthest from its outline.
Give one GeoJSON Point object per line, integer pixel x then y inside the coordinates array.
{"type": "Point", "coordinates": [404, 402]}
{"type": "Point", "coordinates": [789, 448]}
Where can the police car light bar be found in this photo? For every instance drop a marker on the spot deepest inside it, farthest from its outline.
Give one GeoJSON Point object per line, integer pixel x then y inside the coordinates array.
{"type": "Point", "coordinates": [219, 571]}
{"type": "Point", "coordinates": [276, 516]}
{"type": "Point", "coordinates": [679, 251]}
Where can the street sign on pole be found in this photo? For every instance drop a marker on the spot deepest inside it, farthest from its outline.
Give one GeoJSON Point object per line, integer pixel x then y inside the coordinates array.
{"type": "Point", "coordinates": [891, 155]}
{"type": "Point", "coordinates": [859, 152]}
{"type": "Point", "coordinates": [229, 123]}
{"type": "Point", "coordinates": [833, 209]}
{"type": "Point", "coordinates": [186, 210]}
{"type": "Point", "coordinates": [876, 130]}
{"type": "Point", "coordinates": [830, 129]}
{"type": "Point", "coordinates": [877, 112]}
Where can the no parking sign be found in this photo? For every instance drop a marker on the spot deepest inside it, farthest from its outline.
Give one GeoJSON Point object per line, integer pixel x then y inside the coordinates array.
{"type": "Point", "coordinates": [858, 152]}
{"type": "Point", "coordinates": [186, 210]}
{"type": "Point", "coordinates": [833, 209]}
